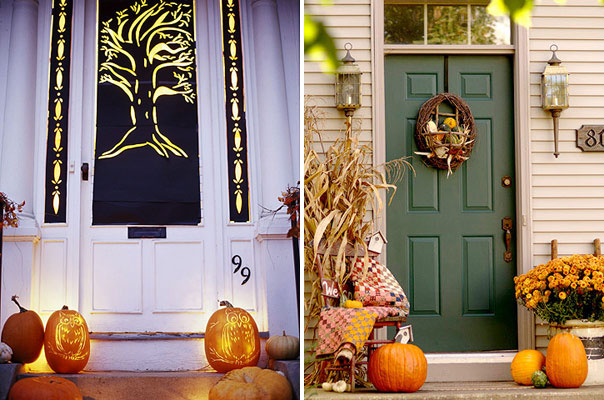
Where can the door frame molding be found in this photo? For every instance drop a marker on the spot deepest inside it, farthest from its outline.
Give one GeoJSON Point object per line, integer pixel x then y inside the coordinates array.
{"type": "Point", "coordinates": [522, 142]}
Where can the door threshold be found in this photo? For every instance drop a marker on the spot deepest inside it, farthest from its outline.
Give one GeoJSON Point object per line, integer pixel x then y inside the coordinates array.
{"type": "Point", "coordinates": [487, 366]}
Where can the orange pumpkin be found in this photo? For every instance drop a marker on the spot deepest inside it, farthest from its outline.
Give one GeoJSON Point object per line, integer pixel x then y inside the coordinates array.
{"type": "Point", "coordinates": [231, 339]}
{"type": "Point", "coordinates": [566, 362]}
{"type": "Point", "coordinates": [398, 367]}
{"type": "Point", "coordinates": [252, 383]}
{"type": "Point", "coordinates": [67, 341]}
{"type": "Point", "coordinates": [524, 364]}
{"type": "Point", "coordinates": [24, 333]}
{"type": "Point", "coordinates": [44, 388]}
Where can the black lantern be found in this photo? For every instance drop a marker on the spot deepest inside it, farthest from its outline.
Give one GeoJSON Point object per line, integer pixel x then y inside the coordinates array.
{"type": "Point", "coordinates": [554, 83]}
{"type": "Point", "coordinates": [348, 84]}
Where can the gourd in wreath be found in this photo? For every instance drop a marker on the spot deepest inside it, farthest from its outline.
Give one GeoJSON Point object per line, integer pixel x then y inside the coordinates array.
{"type": "Point", "coordinates": [566, 362]}
{"type": "Point", "coordinates": [398, 367]}
{"type": "Point", "coordinates": [6, 353]}
{"type": "Point", "coordinates": [252, 383]}
{"type": "Point", "coordinates": [66, 341]}
{"type": "Point", "coordinates": [24, 333]}
{"type": "Point", "coordinates": [231, 339]}
{"type": "Point", "coordinates": [283, 347]}
{"type": "Point", "coordinates": [524, 364]}
{"type": "Point", "coordinates": [44, 388]}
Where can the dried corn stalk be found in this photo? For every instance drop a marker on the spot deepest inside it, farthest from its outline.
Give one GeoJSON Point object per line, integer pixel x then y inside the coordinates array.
{"type": "Point", "coordinates": [340, 186]}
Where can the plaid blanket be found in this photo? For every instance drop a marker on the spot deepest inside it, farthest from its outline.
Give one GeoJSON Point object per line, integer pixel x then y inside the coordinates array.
{"type": "Point", "coordinates": [340, 327]}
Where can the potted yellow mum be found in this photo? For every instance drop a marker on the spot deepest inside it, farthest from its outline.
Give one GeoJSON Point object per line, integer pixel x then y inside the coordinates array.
{"type": "Point", "coordinates": [568, 293]}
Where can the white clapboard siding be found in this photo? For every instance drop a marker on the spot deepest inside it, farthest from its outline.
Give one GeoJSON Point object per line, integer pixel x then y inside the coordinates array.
{"type": "Point", "coordinates": [347, 21]}
{"type": "Point", "coordinates": [568, 192]}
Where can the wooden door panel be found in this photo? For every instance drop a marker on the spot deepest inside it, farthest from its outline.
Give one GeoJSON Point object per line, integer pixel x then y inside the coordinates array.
{"type": "Point", "coordinates": [424, 275]}
{"type": "Point", "coordinates": [423, 187]}
{"type": "Point", "coordinates": [477, 176]}
{"type": "Point", "coordinates": [478, 285]}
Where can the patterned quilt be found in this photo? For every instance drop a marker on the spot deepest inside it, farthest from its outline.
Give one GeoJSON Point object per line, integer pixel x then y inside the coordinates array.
{"type": "Point", "coordinates": [349, 326]}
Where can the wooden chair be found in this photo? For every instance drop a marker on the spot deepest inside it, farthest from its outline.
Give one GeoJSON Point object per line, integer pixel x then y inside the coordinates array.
{"type": "Point", "coordinates": [329, 292]}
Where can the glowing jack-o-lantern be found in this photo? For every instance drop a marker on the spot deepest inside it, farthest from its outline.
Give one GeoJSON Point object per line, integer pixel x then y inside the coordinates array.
{"type": "Point", "coordinates": [66, 341]}
{"type": "Point", "coordinates": [231, 339]}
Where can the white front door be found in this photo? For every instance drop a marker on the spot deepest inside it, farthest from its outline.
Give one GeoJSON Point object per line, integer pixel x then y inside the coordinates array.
{"type": "Point", "coordinates": [162, 284]}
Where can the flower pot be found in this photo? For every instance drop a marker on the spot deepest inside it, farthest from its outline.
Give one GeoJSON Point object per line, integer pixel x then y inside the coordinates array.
{"type": "Point", "coordinates": [592, 336]}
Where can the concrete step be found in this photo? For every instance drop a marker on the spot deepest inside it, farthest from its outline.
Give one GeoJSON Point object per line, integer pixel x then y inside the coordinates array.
{"type": "Point", "coordinates": [139, 352]}
{"type": "Point", "coordinates": [466, 390]}
{"type": "Point", "coordinates": [118, 385]}
{"type": "Point", "coordinates": [148, 385]}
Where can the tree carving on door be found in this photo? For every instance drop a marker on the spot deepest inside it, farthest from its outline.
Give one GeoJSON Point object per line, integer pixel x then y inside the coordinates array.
{"type": "Point", "coordinates": [136, 44]}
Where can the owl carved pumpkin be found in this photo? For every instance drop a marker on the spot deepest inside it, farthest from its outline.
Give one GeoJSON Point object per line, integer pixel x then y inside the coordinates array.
{"type": "Point", "coordinates": [66, 341]}
{"type": "Point", "coordinates": [231, 339]}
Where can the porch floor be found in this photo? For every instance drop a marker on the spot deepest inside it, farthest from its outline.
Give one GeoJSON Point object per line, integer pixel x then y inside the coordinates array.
{"type": "Point", "coordinates": [466, 390]}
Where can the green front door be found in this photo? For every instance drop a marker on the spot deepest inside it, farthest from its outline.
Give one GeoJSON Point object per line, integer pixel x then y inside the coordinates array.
{"type": "Point", "coordinates": [445, 239]}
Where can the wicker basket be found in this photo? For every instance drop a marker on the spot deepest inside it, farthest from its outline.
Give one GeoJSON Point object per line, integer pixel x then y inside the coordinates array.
{"type": "Point", "coordinates": [445, 154]}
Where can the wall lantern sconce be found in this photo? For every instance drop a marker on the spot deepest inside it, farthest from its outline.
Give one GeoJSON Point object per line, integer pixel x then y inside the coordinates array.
{"type": "Point", "coordinates": [554, 82]}
{"type": "Point", "coordinates": [348, 84]}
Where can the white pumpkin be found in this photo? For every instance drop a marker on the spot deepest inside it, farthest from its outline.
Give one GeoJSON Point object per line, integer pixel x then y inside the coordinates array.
{"type": "Point", "coordinates": [340, 387]}
{"type": "Point", "coordinates": [6, 353]}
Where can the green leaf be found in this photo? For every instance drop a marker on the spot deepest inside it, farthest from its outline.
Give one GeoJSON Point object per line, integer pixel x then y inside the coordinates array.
{"type": "Point", "coordinates": [518, 10]}
{"type": "Point", "coordinates": [319, 45]}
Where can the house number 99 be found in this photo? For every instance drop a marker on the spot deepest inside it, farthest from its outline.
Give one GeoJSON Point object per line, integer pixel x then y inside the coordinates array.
{"type": "Point", "coordinates": [245, 271]}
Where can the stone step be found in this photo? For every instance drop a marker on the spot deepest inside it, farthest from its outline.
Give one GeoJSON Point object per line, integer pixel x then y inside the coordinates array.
{"type": "Point", "coordinates": [116, 385]}
{"type": "Point", "coordinates": [145, 352]}
{"type": "Point", "coordinates": [465, 391]}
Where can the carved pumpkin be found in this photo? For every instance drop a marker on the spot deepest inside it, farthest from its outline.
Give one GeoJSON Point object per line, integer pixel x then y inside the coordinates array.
{"type": "Point", "coordinates": [398, 367]}
{"type": "Point", "coordinates": [524, 364]}
{"type": "Point", "coordinates": [44, 388]}
{"type": "Point", "coordinates": [66, 341]}
{"type": "Point", "coordinates": [566, 362]}
{"type": "Point", "coordinates": [252, 383]}
{"type": "Point", "coordinates": [283, 347]}
{"type": "Point", "coordinates": [24, 333]}
{"type": "Point", "coordinates": [231, 339]}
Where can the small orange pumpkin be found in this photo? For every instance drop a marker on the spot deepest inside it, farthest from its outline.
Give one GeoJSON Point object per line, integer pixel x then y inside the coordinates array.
{"type": "Point", "coordinates": [67, 341]}
{"type": "Point", "coordinates": [526, 362]}
{"type": "Point", "coordinates": [231, 339]}
{"type": "Point", "coordinates": [398, 367]}
{"type": "Point", "coordinates": [44, 388]}
{"type": "Point", "coordinates": [566, 362]}
{"type": "Point", "coordinates": [24, 333]}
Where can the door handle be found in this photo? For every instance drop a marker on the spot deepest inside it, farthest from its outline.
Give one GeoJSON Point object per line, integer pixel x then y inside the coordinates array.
{"type": "Point", "coordinates": [506, 226]}
{"type": "Point", "coordinates": [84, 170]}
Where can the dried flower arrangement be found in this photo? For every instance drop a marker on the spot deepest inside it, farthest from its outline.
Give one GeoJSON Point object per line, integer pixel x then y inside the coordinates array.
{"type": "Point", "coordinates": [291, 199]}
{"type": "Point", "coordinates": [10, 211]}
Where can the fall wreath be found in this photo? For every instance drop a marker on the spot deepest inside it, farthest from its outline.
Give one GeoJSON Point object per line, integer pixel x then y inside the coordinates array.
{"type": "Point", "coordinates": [444, 139]}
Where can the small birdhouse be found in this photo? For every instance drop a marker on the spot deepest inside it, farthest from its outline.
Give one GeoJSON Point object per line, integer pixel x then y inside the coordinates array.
{"type": "Point", "coordinates": [404, 335]}
{"type": "Point", "coordinates": [376, 242]}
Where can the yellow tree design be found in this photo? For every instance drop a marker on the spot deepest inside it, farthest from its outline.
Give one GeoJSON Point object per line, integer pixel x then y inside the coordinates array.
{"type": "Point", "coordinates": [160, 33]}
